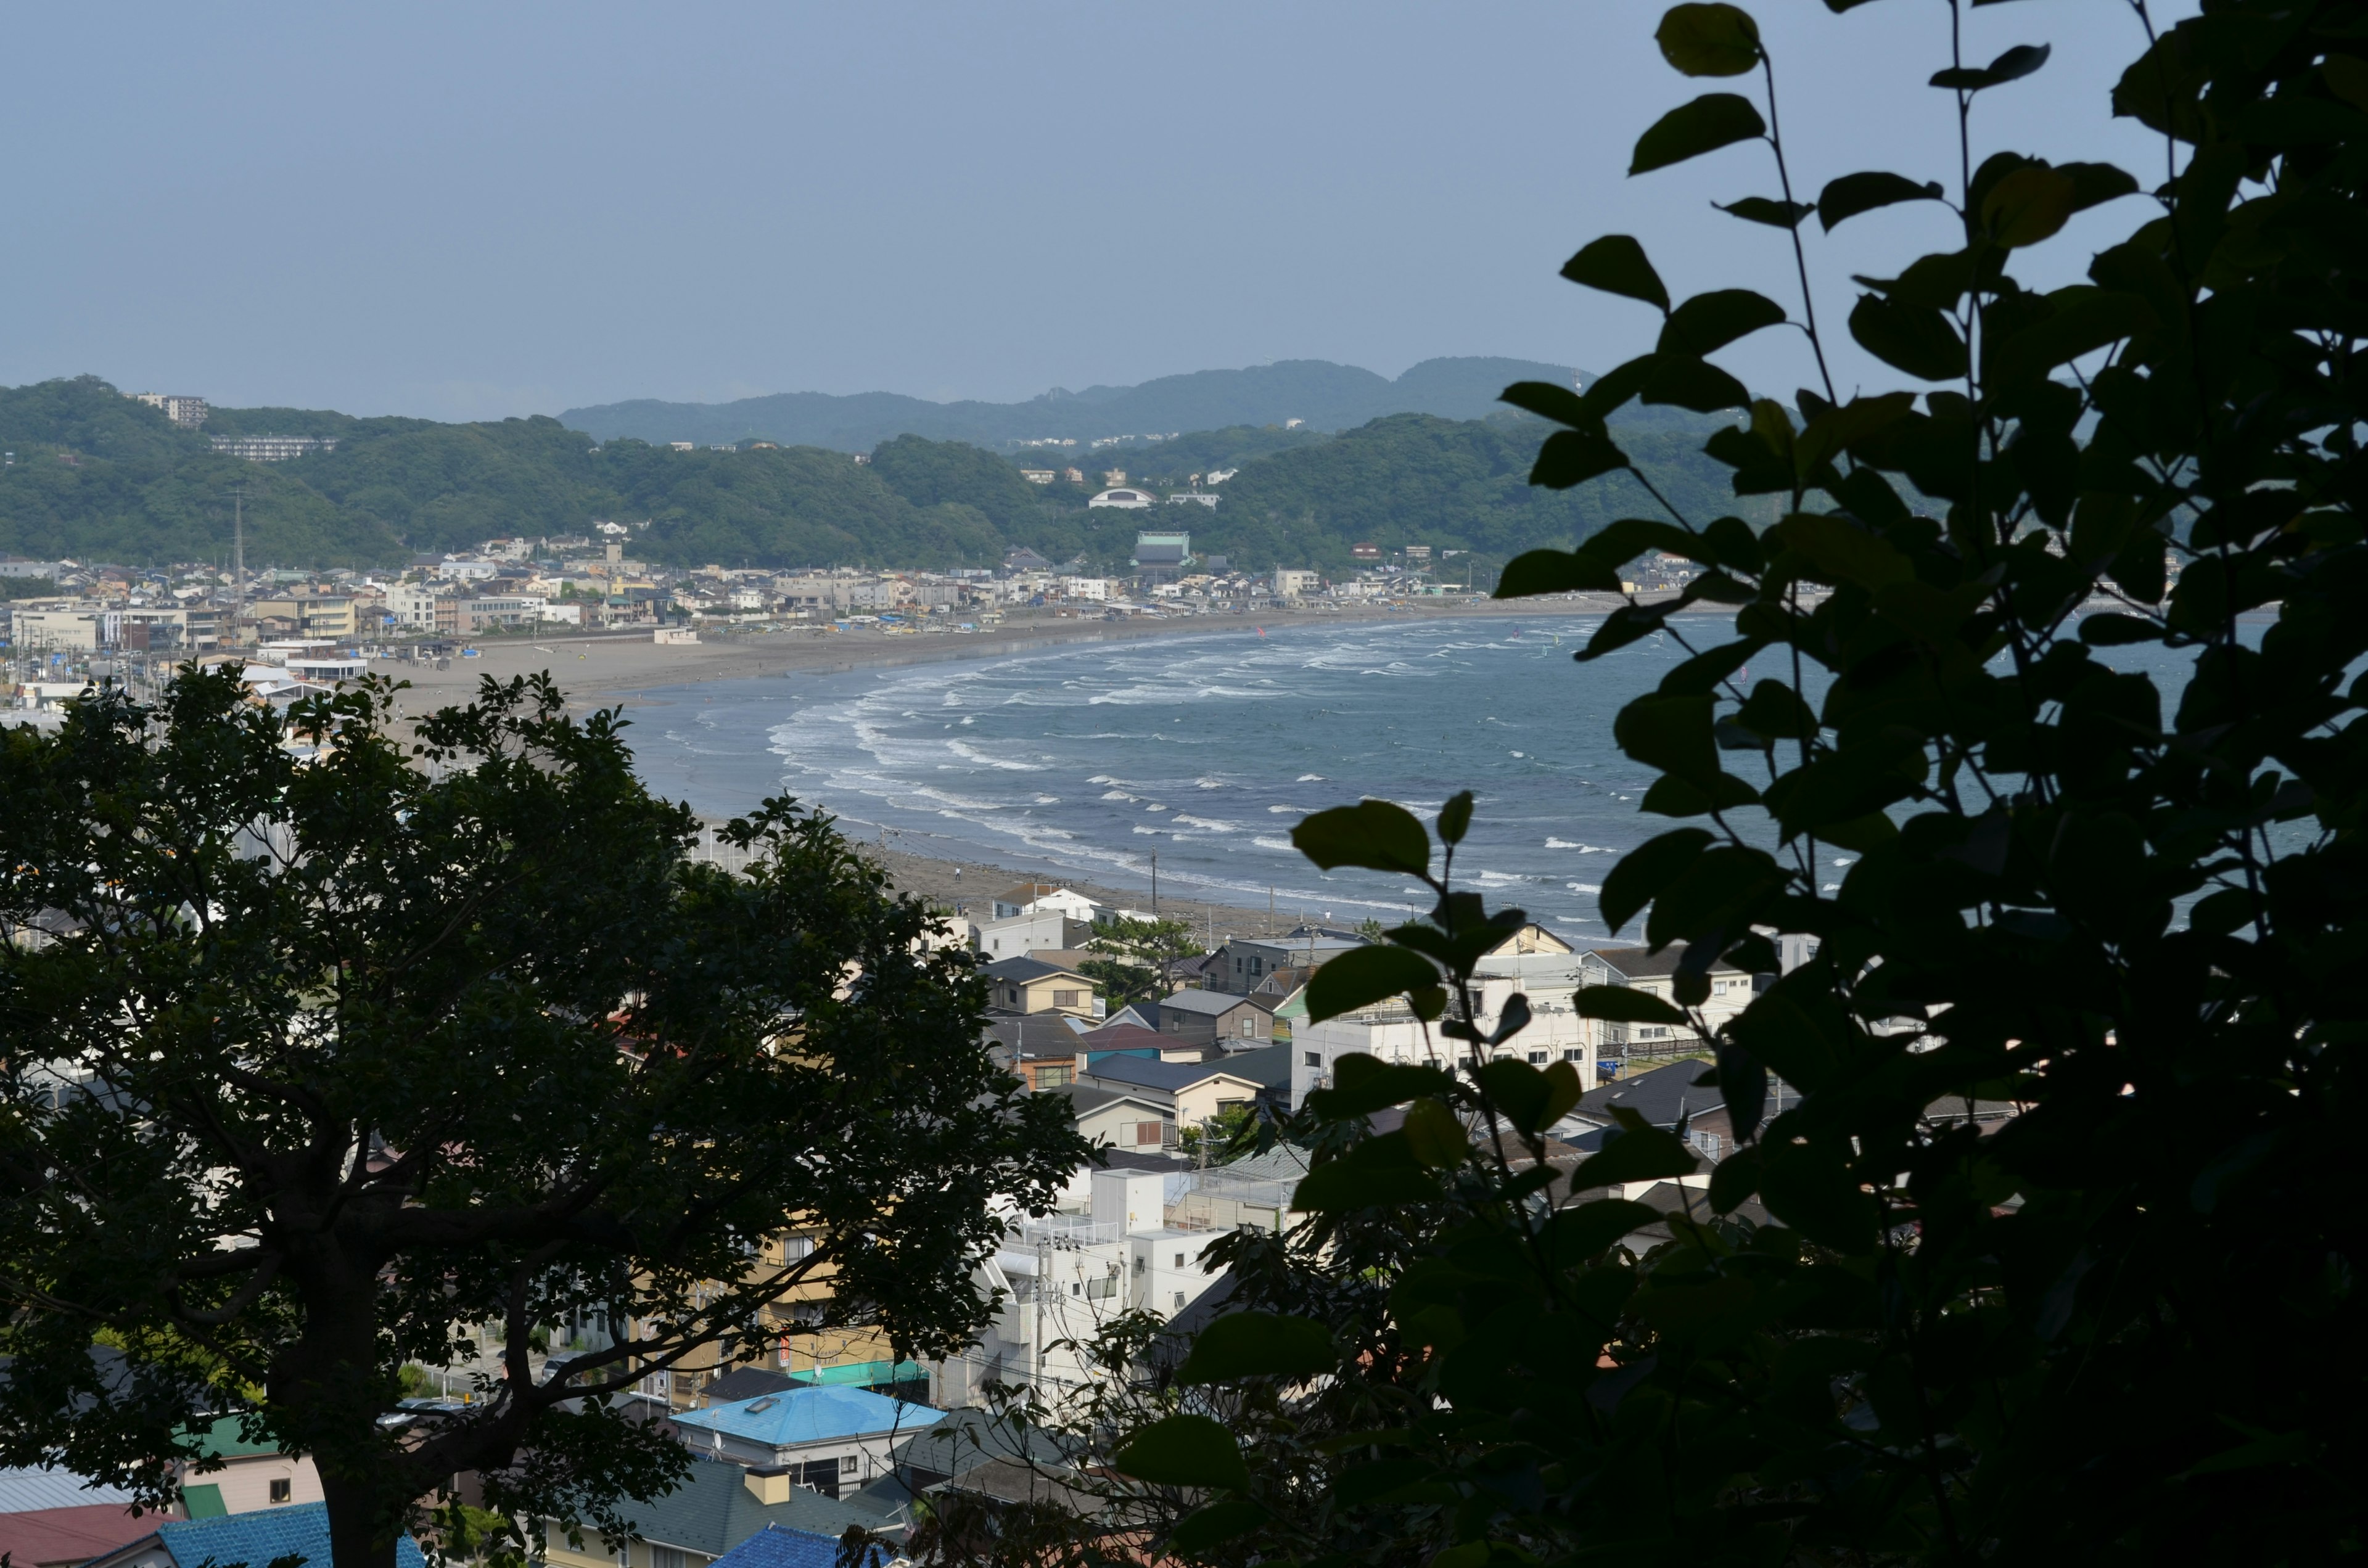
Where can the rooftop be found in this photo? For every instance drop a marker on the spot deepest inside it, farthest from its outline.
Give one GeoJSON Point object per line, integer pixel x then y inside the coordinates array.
{"type": "Point", "coordinates": [713, 1510]}
{"type": "Point", "coordinates": [804, 1416]}
{"type": "Point", "coordinates": [298, 1532]}
{"type": "Point", "coordinates": [1636, 963]}
{"type": "Point", "coordinates": [1167, 1077]}
{"type": "Point", "coordinates": [778, 1546]}
{"type": "Point", "coordinates": [1024, 970]}
{"type": "Point", "coordinates": [1208, 1004]}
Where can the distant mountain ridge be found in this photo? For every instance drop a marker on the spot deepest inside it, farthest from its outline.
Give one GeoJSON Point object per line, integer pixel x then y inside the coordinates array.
{"type": "Point", "coordinates": [1326, 396]}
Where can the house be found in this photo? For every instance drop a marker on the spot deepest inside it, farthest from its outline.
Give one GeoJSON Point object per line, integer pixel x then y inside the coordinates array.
{"type": "Point", "coordinates": [1040, 475]}
{"type": "Point", "coordinates": [1390, 1031]}
{"type": "Point", "coordinates": [1197, 1092]}
{"type": "Point", "coordinates": [828, 1439]}
{"type": "Point", "coordinates": [1112, 1117]}
{"type": "Point", "coordinates": [1127, 500]}
{"type": "Point", "coordinates": [1244, 962]}
{"type": "Point", "coordinates": [52, 1518]}
{"type": "Point", "coordinates": [299, 1533]}
{"type": "Point", "coordinates": [1041, 1048]}
{"type": "Point", "coordinates": [251, 1476]}
{"type": "Point", "coordinates": [1126, 1036]}
{"type": "Point", "coordinates": [1031, 985]}
{"type": "Point", "coordinates": [718, 1506]}
{"type": "Point", "coordinates": [1731, 991]}
{"type": "Point", "coordinates": [1216, 1017]}
{"type": "Point", "coordinates": [1031, 898]}
{"type": "Point", "coordinates": [778, 1546]}
{"type": "Point", "coordinates": [1038, 930]}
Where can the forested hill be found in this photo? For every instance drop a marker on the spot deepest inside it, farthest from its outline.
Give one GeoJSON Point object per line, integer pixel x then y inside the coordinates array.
{"type": "Point", "coordinates": [98, 477]}
{"type": "Point", "coordinates": [1324, 395]}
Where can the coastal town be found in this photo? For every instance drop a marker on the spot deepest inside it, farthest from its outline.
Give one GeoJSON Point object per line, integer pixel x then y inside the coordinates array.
{"type": "Point", "coordinates": [68, 624]}
{"type": "Point", "coordinates": [796, 1437]}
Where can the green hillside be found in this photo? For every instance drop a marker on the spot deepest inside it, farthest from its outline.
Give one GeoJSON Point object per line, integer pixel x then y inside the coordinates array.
{"type": "Point", "coordinates": [98, 477]}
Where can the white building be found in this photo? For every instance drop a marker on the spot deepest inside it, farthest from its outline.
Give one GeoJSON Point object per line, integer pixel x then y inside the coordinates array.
{"type": "Point", "coordinates": [186, 411]}
{"type": "Point", "coordinates": [1017, 936]}
{"type": "Point", "coordinates": [1288, 584]}
{"type": "Point", "coordinates": [412, 606]}
{"type": "Point", "coordinates": [1390, 1030]}
{"type": "Point", "coordinates": [272, 448]}
{"type": "Point", "coordinates": [1094, 590]}
{"type": "Point", "coordinates": [1030, 898]}
{"type": "Point", "coordinates": [1065, 1276]}
{"type": "Point", "coordinates": [1125, 499]}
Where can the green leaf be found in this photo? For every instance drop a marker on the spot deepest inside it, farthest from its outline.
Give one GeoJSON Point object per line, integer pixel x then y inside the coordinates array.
{"type": "Point", "coordinates": [1577, 1234]}
{"type": "Point", "coordinates": [1616, 264]}
{"type": "Point", "coordinates": [2084, 320]}
{"type": "Point", "coordinates": [1573, 457]}
{"type": "Point", "coordinates": [1635, 1154]}
{"type": "Point", "coordinates": [1709, 40]}
{"type": "Point", "coordinates": [1376, 1173]}
{"type": "Point", "coordinates": [1921, 342]}
{"type": "Point", "coordinates": [1839, 429]}
{"type": "Point", "coordinates": [1624, 1005]}
{"type": "Point", "coordinates": [1529, 1099]}
{"type": "Point", "coordinates": [1435, 1135]}
{"type": "Point", "coordinates": [2285, 1448]}
{"type": "Point", "coordinates": [1210, 1527]}
{"type": "Point", "coordinates": [2012, 66]}
{"type": "Point", "coordinates": [1258, 1345]}
{"type": "Point", "coordinates": [1185, 1450]}
{"type": "Point", "coordinates": [1681, 382]}
{"type": "Point", "coordinates": [1362, 976]}
{"type": "Point", "coordinates": [1853, 194]}
{"type": "Point", "coordinates": [1671, 734]}
{"type": "Point", "coordinates": [1363, 1085]}
{"type": "Point", "coordinates": [1644, 871]}
{"type": "Point", "coordinates": [1710, 322]}
{"type": "Point", "coordinates": [1372, 833]}
{"type": "Point", "coordinates": [1619, 542]}
{"type": "Point", "coordinates": [1554, 571]}
{"type": "Point", "coordinates": [1809, 1188]}
{"type": "Point", "coordinates": [1775, 711]}
{"type": "Point", "coordinates": [1548, 399]}
{"type": "Point", "coordinates": [1455, 817]}
{"type": "Point", "coordinates": [1710, 122]}
{"type": "Point", "coordinates": [2028, 205]}
{"type": "Point", "coordinates": [1764, 210]}
{"type": "Point", "coordinates": [2113, 630]}
{"type": "Point", "coordinates": [1842, 552]}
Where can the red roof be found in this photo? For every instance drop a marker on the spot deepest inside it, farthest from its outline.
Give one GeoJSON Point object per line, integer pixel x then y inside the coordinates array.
{"type": "Point", "coordinates": [39, 1538]}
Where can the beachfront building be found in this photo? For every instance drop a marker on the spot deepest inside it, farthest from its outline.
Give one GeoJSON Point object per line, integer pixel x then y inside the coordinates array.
{"type": "Point", "coordinates": [1032, 898]}
{"type": "Point", "coordinates": [1244, 963]}
{"type": "Point", "coordinates": [1731, 990]}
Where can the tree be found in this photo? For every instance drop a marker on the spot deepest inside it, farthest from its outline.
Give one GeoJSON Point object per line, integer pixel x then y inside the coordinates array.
{"type": "Point", "coordinates": [2101, 823]}
{"type": "Point", "coordinates": [1140, 952]}
{"type": "Point", "coordinates": [317, 1059]}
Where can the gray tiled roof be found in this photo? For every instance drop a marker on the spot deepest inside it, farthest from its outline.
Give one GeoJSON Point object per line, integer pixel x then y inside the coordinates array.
{"type": "Point", "coordinates": [713, 1511]}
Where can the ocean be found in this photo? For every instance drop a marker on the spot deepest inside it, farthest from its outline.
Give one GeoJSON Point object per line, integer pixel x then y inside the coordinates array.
{"type": "Point", "coordinates": [1084, 761]}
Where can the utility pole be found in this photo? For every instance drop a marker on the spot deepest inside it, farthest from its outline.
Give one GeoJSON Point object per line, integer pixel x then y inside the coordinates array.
{"type": "Point", "coordinates": [238, 561]}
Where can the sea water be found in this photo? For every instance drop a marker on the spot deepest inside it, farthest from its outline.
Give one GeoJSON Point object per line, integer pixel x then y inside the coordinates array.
{"type": "Point", "coordinates": [1084, 761]}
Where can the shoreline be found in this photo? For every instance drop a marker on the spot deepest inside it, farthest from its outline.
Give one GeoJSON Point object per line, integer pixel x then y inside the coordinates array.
{"type": "Point", "coordinates": [625, 663]}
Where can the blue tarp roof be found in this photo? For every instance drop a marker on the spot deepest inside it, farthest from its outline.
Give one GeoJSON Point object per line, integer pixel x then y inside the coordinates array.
{"type": "Point", "coordinates": [299, 1530]}
{"type": "Point", "coordinates": [811, 1415]}
{"type": "Point", "coordinates": [776, 1546]}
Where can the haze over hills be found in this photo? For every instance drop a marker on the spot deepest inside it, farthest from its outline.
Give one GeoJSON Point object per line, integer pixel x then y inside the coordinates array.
{"type": "Point", "coordinates": [1326, 396]}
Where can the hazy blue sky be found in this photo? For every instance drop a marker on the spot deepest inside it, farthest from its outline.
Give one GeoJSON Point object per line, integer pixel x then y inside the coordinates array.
{"type": "Point", "coordinates": [475, 211]}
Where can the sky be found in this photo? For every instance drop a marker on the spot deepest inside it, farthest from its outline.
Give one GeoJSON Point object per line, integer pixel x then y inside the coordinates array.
{"type": "Point", "coordinates": [480, 211]}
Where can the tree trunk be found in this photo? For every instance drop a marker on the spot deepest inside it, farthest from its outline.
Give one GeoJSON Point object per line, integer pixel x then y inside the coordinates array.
{"type": "Point", "coordinates": [360, 1536]}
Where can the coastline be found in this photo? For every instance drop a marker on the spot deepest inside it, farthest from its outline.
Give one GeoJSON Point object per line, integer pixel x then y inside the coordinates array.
{"type": "Point", "coordinates": [602, 672]}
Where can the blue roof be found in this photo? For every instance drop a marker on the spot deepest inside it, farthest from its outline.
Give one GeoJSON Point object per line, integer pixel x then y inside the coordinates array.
{"type": "Point", "coordinates": [299, 1530]}
{"type": "Point", "coordinates": [777, 1546]}
{"type": "Point", "coordinates": [799, 1417]}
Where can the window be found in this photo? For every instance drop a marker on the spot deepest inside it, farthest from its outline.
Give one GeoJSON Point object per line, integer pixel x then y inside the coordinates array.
{"type": "Point", "coordinates": [1314, 1060]}
{"type": "Point", "coordinates": [1148, 1133]}
{"type": "Point", "coordinates": [282, 1490]}
{"type": "Point", "coordinates": [1067, 998]}
{"type": "Point", "coordinates": [1180, 1260]}
{"type": "Point", "coordinates": [667, 1557]}
{"type": "Point", "coordinates": [1249, 1027]}
{"type": "Point", "coordinates": [1055, 1077]}
{"type": "Point", "coordinates": [1179, 1300]}
{"type": "Point", "coordinates": [1537, 1058]}
{"type": "Point", "coordinates": [1574, 1054]}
